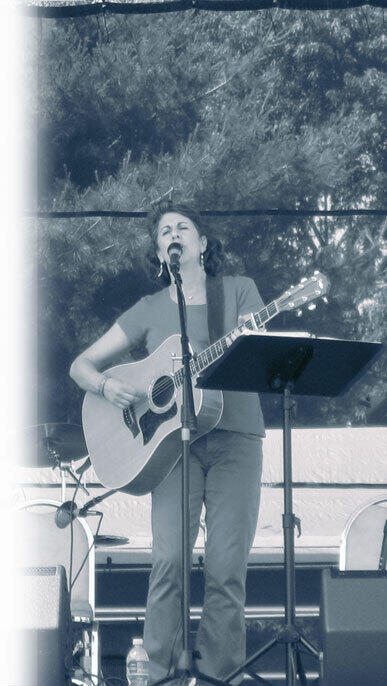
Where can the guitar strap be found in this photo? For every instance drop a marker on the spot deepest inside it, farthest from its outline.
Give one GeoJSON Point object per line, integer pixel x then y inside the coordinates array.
{"type": "Point", "coordinates": [215, 307]}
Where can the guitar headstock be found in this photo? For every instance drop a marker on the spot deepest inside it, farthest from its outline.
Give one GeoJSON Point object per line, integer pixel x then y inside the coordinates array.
{"type": "Point", "coordinates": [305, 292]}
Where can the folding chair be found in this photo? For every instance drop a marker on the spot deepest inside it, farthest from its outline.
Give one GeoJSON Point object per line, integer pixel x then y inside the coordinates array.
{"type": "Point", "coordinates": [362, 538]}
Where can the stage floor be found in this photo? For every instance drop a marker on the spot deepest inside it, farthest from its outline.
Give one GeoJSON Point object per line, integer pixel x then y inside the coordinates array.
{"type": "Point", "coordinates": [120, 604]}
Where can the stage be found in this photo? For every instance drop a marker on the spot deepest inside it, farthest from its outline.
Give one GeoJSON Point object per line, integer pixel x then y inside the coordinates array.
{"type": "Point", "coordinates": [336, 472]}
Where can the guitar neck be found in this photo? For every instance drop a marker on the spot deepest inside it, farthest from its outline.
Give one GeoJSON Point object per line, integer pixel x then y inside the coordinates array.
{"type": "Point", "coordinates": [202, 360]}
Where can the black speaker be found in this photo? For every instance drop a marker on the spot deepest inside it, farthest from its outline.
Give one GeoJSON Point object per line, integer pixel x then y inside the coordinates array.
{"type": "Point", "coordinates": [44, 627]}
{"type": "Point", "coordinates": [353, 623]}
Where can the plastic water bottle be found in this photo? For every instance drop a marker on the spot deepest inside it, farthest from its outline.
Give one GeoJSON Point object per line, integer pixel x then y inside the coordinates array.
{"type": "Point", "coordinates": [137, 664]}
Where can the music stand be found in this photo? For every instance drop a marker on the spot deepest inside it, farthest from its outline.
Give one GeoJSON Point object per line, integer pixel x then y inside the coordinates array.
{"type": "Point", "coordinates": [266, 363]}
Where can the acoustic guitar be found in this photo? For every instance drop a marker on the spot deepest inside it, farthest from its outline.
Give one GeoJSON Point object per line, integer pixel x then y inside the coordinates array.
{"type": "Point", "coordinates": [136, 448]}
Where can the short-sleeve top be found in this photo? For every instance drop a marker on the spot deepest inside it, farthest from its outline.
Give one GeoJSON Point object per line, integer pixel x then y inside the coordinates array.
{"type": "Point", "coordinates": [155, 317]}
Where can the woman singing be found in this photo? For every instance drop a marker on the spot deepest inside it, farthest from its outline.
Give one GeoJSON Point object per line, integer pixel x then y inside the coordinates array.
{"type": "Point", "coordinates": [225, 464]}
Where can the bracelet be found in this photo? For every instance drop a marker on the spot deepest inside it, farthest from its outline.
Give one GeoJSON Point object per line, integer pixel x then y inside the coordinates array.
{"type": "Point", "coordinates": [101, 384]}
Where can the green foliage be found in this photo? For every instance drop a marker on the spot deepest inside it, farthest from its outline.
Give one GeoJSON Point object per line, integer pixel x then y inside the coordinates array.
{"type": "Point", "coordinates": [234, 110]}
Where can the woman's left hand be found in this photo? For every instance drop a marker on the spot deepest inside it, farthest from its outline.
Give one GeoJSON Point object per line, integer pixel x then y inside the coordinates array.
{"type": "Point", "coordinates": [242, 318]}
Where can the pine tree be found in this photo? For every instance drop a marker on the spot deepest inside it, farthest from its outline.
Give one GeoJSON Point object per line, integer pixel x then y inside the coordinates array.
{"type": "Point", "coordinates": [232, 110]}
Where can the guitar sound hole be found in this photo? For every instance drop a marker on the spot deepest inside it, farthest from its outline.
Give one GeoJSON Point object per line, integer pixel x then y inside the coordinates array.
{"type": "Point", "coordinates": [163, 391]}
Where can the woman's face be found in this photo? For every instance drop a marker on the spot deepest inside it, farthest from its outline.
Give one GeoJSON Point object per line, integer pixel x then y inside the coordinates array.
{"type": "Point", "coordinates": [176, 228]}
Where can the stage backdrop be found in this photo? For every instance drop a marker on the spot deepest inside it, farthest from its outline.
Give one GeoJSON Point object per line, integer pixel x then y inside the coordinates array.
{"type": "Point", "coordinates": [336, 471]}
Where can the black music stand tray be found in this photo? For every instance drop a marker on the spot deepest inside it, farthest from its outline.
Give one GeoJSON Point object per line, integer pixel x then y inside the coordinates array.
{"type": "Point", "coordinates": [266, 363]}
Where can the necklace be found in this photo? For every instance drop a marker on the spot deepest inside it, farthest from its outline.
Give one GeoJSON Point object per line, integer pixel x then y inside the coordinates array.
{"type": "Point", "coordinates": [173, 295]}
{"type": "Point", "coordinates": [187, 297]}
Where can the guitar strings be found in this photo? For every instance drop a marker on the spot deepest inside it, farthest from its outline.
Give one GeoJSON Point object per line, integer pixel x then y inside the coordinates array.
{"type": "Point", "coordinates": [270, 310]}
{"type": "Point", "coordinates": [208, 351]}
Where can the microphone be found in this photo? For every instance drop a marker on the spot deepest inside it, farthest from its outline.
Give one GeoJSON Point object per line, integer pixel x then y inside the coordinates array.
{"type": "Point", "coordinates": [66, 514]}
{"type": "Point", "coordinates": [174, 251]}
{"type": "Point", "coordinates": [69, 511]}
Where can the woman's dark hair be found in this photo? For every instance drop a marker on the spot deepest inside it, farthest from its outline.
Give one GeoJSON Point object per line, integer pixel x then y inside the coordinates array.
{"type": "Point", "coordinates": [213, 257]}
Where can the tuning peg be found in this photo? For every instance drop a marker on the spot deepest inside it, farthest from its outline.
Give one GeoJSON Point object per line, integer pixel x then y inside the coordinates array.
{"type": "Point", "coordinates": [312, 306]}
{"type": "Point", "coordinates": [299, 313]}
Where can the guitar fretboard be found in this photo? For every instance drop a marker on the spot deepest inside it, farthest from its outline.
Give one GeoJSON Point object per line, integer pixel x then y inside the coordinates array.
{"type": "Point", "coordinates": [202, 360]}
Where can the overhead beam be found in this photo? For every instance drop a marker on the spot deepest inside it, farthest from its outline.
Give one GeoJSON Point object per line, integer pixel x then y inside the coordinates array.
{"type": "Point", "coordinates": [63, 9]}
{"type": "Point", "coordinates": [276, 212]}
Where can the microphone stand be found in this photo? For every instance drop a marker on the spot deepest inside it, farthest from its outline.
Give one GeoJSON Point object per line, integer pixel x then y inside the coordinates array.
{"type": "Point", "coordinates": [185, 666]}
{"type": "Point", "coordinates": [188, 424]}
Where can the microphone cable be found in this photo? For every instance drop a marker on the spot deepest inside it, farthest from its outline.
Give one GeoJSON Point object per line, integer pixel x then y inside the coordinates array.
{"type": "Point", "coordinates": [100, 514]}
{"type": "Point", "coordinates": [67, 513]}
{"type": "Point", "coordinates": [72, 539]}
{"type": "Point", "coordinates": [102, 680]}
{"type": "Point", "coordinates": [83, 512]}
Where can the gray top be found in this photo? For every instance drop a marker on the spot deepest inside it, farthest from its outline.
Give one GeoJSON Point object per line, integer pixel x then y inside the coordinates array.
{"type": "Point", "coordinates": [155, 317]}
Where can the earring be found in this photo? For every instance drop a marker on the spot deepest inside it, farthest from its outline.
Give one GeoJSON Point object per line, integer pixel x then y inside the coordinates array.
{"type": "Point", "coordinates": [202, 259]}
{"type": "Point", "coordinates": [161, 269]}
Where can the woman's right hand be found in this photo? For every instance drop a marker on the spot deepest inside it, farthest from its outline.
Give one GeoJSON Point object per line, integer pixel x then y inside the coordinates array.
{"type": "Point", "coordinates": [120, 394]}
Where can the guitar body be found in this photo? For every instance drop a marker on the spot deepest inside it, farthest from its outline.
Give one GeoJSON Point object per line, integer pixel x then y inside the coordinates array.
{"type": "Point", "coordinates": [136, 448]}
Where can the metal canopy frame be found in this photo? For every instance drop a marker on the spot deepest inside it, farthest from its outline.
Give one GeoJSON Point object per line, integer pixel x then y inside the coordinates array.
{"type": "Point", "coordinates": [77, 8]}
